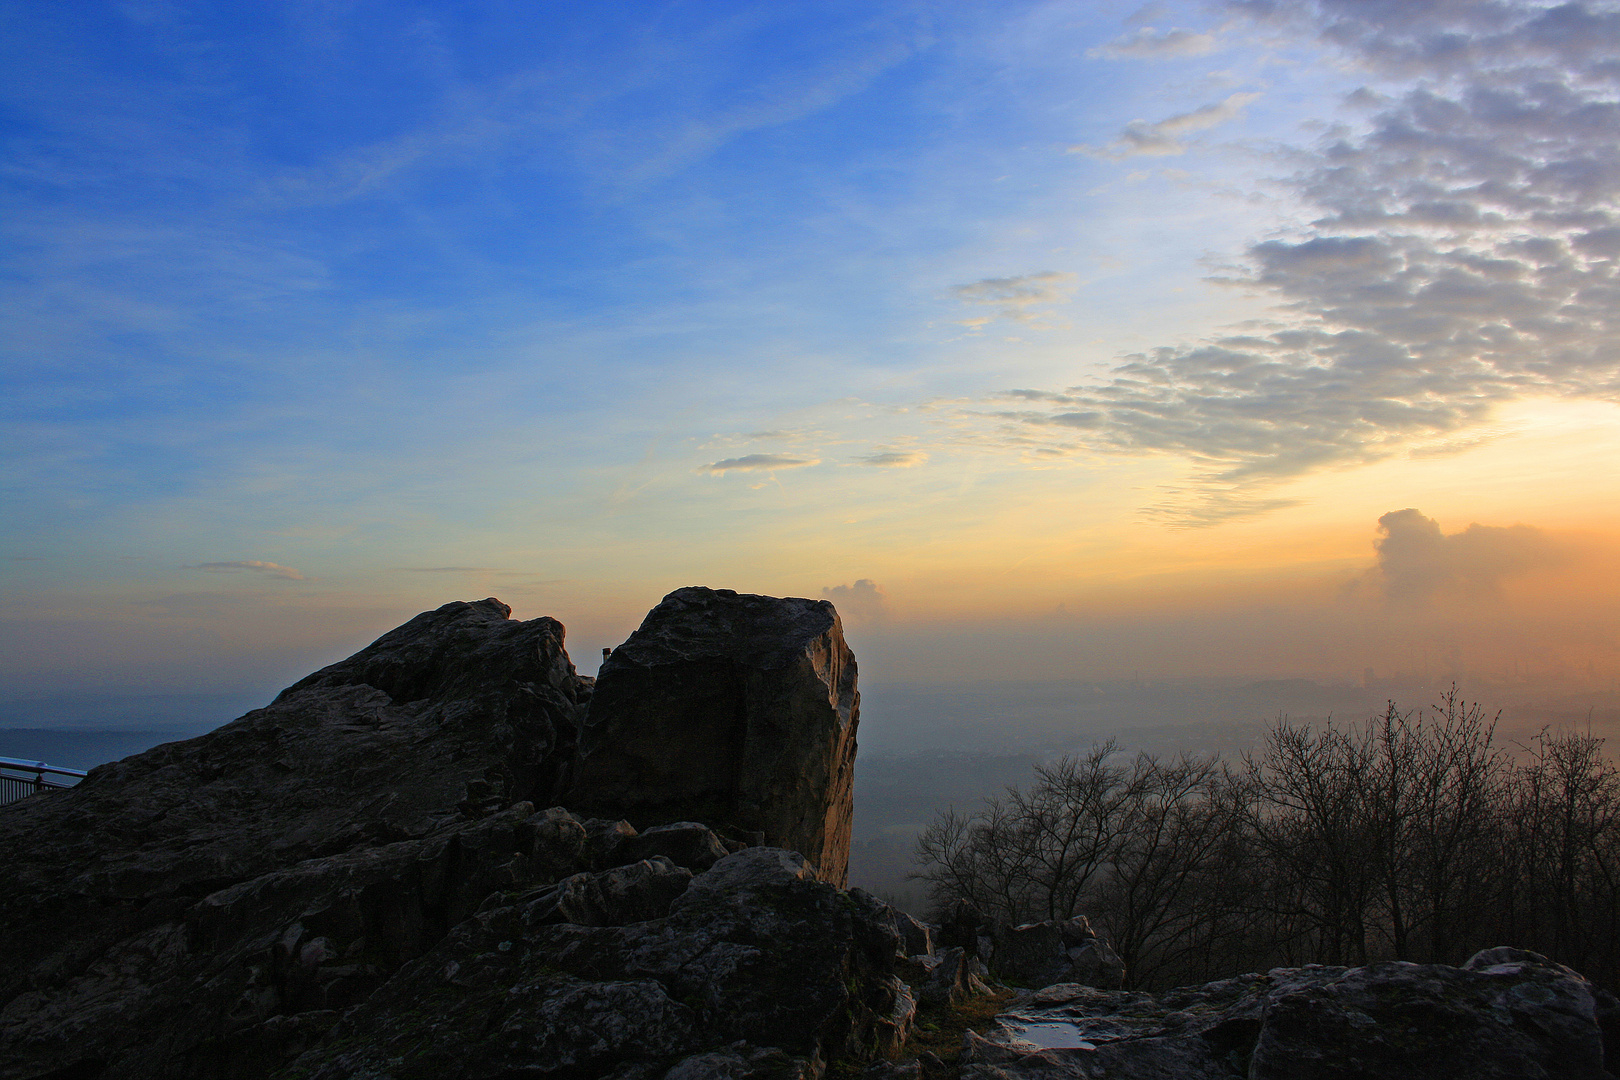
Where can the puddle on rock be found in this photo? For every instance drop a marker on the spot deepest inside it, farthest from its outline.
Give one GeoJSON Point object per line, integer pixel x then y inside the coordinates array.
{"type": "Point", "coordinates": [1052, 1035]}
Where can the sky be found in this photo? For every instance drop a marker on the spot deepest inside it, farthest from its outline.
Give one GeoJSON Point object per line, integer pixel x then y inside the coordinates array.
{"type": "Point", "coordinates": [1049, 340]}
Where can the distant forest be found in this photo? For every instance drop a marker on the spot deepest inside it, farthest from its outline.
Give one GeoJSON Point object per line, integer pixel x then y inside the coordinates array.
{"type": "Point", "coordinates": [1414, 836]}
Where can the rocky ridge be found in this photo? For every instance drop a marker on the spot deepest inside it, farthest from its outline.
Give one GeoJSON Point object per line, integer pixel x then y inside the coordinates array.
{"type": "Point", "coordinates": [451, 856]}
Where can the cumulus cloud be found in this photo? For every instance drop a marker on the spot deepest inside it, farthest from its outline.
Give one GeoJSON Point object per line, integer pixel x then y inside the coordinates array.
{"type": "Point", "coordinates": [757, 463]}
{"type": "Point", "coordinates": [1013, 297]}
{"type": "Point", "coordinates": [251, 566]}
{"type": "Point", "coordinates": [1164, 137]}
{"type": "Point", "coordinates": [1416, 561]}
{"type": "Point", "coordinates": [864, 598]}
{"type": "Point", "coordinates": [1150, 43]}
{"type": "Point", "coordinates": [895, 459]}
{"type": "Point", "coordinates": [1464, 252]}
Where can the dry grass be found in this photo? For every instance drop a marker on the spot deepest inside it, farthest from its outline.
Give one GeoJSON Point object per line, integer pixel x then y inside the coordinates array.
{"type": "Point", "coordinates": [940, 1029]}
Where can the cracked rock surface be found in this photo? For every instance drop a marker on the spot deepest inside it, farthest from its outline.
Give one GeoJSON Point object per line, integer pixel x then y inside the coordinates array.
{"type": "Point", "coordinates": [757, 950]}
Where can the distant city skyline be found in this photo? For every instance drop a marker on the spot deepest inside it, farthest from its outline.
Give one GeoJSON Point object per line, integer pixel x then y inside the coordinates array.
{"type": "Point", "coordinates": [1048, 340]}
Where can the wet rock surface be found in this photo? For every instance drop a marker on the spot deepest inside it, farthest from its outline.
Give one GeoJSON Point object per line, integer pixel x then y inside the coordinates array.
{"type": "Point", "coordinates": [1511, 1014]}
{"type": "Point", "coordinates": [735, 710]}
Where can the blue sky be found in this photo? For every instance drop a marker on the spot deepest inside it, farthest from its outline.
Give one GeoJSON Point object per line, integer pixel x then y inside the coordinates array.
{"type": "Point", "coordinates": [321, 313]}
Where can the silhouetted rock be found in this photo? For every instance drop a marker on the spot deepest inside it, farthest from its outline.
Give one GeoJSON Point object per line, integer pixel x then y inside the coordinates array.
{"type": "Point", "coordinates": [383, 762]}
{"type": "Point", "coordinates": [217, 907]}
{"type": "Point", "coordinates": [741, 1061]}
{"type": "Point", "coordinates": [735, 710]}
{"type": "Point", "coordinates": [603, 840]}
{"type": "Point", "coordinates": [618, 897]}
{"type": "Point", "coordinates": [683, 842]}
{"type": "Point", "coordinates": [182, 987]}
{"type": "Point", "coordinates": [1521, 1018]}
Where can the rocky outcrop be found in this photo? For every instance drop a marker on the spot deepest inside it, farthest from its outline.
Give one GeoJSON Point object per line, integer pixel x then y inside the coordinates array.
{"type": "Point", "coordinates": [944, 978]}
{"type": "Point", "coordinates": [1505, 1014]}
{"type": "Point", "coordinates": [217, 907]}
{"type": "Point", "coordinates": [735, 710]}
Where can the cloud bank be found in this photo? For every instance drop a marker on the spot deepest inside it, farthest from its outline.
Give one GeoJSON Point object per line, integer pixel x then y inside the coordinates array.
{"type": "Point", "coordinates": [1463, 251]}
{"type": "Point", "coordinates": [1416, 561]}
{"type": "Point", "coordinates": [865, 598]}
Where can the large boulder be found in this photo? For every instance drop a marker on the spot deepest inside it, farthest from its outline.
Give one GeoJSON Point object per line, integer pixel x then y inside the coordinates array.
{"type": "Point", "coordinates": [735, 710]}
{"type": "Point", "coordinates": [1506, 1015]}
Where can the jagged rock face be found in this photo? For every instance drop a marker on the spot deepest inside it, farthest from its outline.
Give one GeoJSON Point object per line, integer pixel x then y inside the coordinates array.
{"type": "Point", "coordinates": [228, 984]}
{"type": "Point", "coordinates": [1505, 1015]}
{"type": "Point", "coordinates": [755, 952]}
{"type": "Point", "coordinates": [458, 707]}
{"type": "Point", "coordinates": [735, 710]}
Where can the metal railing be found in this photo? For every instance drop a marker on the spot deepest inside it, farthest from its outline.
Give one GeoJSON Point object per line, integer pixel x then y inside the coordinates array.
{"type": "Point", "coordinates": [19, 778]}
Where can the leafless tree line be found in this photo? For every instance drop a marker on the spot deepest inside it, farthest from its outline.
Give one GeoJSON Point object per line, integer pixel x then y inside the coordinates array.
{"type": "Point", "coordinates": [1413, 836]}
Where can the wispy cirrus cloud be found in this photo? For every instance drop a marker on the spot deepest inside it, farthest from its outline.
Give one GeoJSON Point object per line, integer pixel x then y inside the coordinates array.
{"type": "Point", "coordinates": [895, 459]}
{"type": "Point", "coordinates": [251, 566]}
{"type": "Point", "coordinates": [1149, 43]}
{"type": "Point", "coordinates": [1014, 298]}
{"type": "Point", "coordinates": [757, 463]}
{"type": "Point", "coordinates": [1166, 137]}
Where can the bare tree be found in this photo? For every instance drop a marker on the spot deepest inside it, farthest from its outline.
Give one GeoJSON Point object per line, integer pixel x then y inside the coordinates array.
{"type": "Point", "coordinates": [1564, 817]}
{"type": "Point", "coordinates": [1029, 854]}
{"type": "Point", "coordinates": [1308, 817]}
{"type": "Point", "coordinates": [1172, 848]}
{"type": "Point", "coordinates": [1411, 836]}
